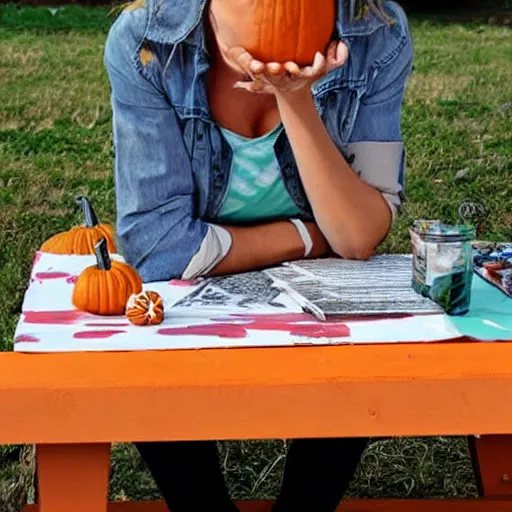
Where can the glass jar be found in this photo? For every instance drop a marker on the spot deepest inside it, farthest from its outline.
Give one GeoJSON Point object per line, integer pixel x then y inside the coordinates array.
{"type": "Point", "coordinates": [442, 264]}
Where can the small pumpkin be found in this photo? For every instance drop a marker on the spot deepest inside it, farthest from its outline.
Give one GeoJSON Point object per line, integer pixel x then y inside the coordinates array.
{"type": "Point", "coordinates": [145, 308]}
{"type": "Point", "coordinates": [104, 288]}
{"type": "Point", "coordinates": [82, 239]}
{"type": "Point", "coordinates": [277, 30]}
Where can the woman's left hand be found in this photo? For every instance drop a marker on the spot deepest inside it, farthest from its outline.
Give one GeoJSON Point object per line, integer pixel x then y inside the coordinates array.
{"type": "Point", "coordinates": [275, 78]}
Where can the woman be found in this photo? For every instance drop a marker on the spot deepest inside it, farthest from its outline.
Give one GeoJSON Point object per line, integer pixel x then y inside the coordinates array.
{"type": "Point", "coordinates": [226, 164]}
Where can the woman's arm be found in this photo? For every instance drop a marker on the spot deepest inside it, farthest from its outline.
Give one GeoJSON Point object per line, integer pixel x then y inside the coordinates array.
{"type": "Point", "coordinates": [353, 205]}
{"type": "Point", "coordinates": [354, 210]}
{"type": "Point", "coordinates": [266, 245]}
{"type": "Point", "coordinates": [157, 228]}
{"type": "Point", "coordinates": [158, 231]}
{"type": "Point", "coordinates": [353, 216]}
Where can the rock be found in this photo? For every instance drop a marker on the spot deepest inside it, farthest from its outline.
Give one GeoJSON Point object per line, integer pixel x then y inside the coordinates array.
{"type": "Point", "coordinates": [462, 173]}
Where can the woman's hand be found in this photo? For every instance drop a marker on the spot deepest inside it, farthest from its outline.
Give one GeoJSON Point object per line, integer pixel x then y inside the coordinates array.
{"type": "Point", "coordinates": [275, 78]}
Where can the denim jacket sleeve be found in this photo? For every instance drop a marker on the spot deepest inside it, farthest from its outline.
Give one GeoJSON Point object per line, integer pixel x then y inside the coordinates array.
{"type": "Point", "coordinates": [157, 229]}
{"type": "Point", "coordinates": [376, 140]}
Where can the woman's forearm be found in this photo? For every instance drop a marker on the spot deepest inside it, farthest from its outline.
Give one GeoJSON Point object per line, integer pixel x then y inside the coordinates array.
{"type": "Point", "coordinates": [265, 245]}
{"type": "Point", "coordinates": [353, 216]}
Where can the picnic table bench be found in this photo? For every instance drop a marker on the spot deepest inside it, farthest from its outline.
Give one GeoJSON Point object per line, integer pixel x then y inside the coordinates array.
{"type": "Point", "coordinates": [73, 406]}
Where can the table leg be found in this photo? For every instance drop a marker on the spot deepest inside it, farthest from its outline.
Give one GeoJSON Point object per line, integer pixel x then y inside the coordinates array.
{"type": "Point", "coordinates": [73, 477]}
{"type": "Point", "coordinates": [492, 459]}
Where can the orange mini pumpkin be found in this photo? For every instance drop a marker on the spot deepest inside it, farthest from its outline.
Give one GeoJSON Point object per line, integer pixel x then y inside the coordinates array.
{"type": "Point", "coordinates": [82, 239]}
{"type": "Point", "coordinates": [146, 308]}
{"type": "Point", "coordinates": [104, 288]}
{"type": "Point", "coordinates": [278, 30]}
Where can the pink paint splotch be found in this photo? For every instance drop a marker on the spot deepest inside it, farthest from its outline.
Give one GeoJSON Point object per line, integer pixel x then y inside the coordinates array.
{"type": "Point", "coordinates": [107, 324]}
{"type": "Point", "coordinates": [68, 317]}
{"type": "Point", "coordinates": [304, 317]}
{"type": "Point", "coordinates": [310, 329]}
{"type": "Point", "coordinates": [270, 317]}
{"type": "Point", "coordinates": [51, 275]}
{"type": "Point", "coordinates": [26, 338]}
{"type": "Point", "coordinates": [220, 330]}
{"type": "Point", "coordinates": [179, 282]}
{"type": "Point", "coordinates": [96, 335]}
{"type": "Point", "coordinates": [295, 324]}
{"type": "Point", "coordinates": [327, 330]}
{"type": "Point", "coordinates": [40, 277]}
{"type": "Point", "coordinates": [37, 256]}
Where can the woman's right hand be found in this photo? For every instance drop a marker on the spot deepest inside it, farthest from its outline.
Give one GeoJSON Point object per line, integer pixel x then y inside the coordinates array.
{"type": "Point", "coordinates": [321, 247]}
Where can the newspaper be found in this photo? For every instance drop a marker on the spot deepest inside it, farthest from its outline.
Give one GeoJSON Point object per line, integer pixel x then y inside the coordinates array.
{"type": "Point", "coordinates": [382, 285]}
{"type": "Point", "coordinates": [246, 292]}
{"type": "Point", "coordinates": [324, 288]}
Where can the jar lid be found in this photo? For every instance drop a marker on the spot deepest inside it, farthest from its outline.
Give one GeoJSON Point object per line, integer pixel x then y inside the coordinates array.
{"type": "Point", "coordinates": [437, 231]}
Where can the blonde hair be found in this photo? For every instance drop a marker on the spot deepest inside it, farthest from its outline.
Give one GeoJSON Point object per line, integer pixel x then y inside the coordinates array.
{"type": "Point", "coordinates": [360, 8]}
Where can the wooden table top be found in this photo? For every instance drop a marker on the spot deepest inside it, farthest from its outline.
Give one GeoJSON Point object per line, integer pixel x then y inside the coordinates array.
{"type": "Point", "coordinates": [360, 390]}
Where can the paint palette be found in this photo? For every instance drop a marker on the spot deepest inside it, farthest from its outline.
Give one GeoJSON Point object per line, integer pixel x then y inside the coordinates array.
{"type": "Point", "coordinates": [493, 262]}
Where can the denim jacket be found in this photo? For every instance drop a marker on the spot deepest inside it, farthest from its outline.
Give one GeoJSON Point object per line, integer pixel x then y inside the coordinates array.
{"type": "Point", "coordinates": [172, 164]}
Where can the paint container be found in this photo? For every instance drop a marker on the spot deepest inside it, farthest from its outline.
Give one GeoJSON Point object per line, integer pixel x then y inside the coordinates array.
{"type": "Point", "coordinates": [493, 262]}
{"type": "Point", "coordinates": [442, 264]}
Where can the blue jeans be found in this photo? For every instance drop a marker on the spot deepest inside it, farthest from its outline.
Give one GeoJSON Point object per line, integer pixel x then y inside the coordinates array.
{"type": "Point", "coordinates": [316, 476]}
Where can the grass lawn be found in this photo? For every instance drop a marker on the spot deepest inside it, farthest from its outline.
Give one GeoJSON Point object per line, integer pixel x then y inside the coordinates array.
{"type": "Point", "coordinates": [55, 143]}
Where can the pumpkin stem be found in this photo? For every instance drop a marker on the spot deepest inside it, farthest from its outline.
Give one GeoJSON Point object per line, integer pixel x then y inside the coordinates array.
{"type": "Point", "coordinates": [90, 217]}
{"type": "Point", "coordinates": [102, 255]}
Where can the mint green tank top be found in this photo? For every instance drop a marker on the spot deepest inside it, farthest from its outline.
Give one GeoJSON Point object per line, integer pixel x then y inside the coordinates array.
{"type": "Point", "coordinates": [256, 191]}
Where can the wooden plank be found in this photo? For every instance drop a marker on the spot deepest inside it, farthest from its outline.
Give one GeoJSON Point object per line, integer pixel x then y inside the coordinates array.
{"type": "Point", "coordinates": [73, 477]}
{"type": "Point", "coordinates": [349, 506]}
{"type": "Point", "coordinates": [493, 464]}
{"type": "Point", "coordinates": [378, 391]}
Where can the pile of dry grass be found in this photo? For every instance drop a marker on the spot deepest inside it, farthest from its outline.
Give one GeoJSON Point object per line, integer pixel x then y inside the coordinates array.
{"type": "Point", "coordinates": [18, 489]}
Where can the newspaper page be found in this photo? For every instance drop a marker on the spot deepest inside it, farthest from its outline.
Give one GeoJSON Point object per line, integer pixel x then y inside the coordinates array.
{"type": "Point", "coordinates": [250, 291]}
{"type": "Point", "coordinates": [382, 285]}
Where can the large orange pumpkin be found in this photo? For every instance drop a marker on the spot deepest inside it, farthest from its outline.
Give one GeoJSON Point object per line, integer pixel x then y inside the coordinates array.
{"type": "Point", "coordinates": [82, 239]}
{"type": "Point", "coordinates": [279, 30]}
{"type": "Point", "coordinates": [105, 288]}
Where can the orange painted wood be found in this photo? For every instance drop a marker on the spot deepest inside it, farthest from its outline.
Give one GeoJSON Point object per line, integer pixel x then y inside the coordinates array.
{"type": "Point", "coordinates": [494, 465]}
{"type": "Point", "coordinates": [349, 506]}
{"type": "Point", "coordinates": [407, 390]}
{"type": "Point", "coordinates": [73, 477]}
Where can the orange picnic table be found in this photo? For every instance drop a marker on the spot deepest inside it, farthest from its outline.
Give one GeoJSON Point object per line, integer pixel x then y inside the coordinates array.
{"type": "Point", "coordinates": [73, 406]}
